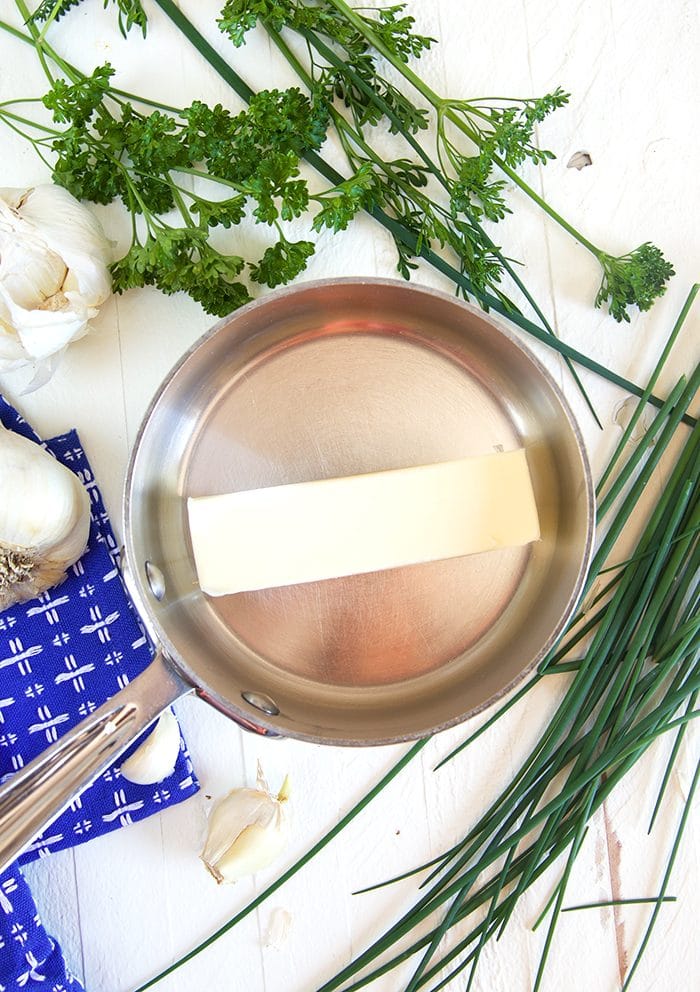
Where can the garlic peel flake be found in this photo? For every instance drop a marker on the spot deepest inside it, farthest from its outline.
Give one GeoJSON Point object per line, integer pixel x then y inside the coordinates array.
{"type": "Point", "coordinates": [44, 519]}
{"type": "Point", "coordinates": [247, 830]}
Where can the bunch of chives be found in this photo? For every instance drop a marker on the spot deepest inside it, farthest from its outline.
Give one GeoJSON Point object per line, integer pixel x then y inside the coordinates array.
{"type": "Point", "coordinates": [637, 678]}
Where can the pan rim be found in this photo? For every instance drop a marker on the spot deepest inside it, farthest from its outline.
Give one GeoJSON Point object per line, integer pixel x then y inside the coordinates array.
{"type": "Point", "coordinates": [159, 633]}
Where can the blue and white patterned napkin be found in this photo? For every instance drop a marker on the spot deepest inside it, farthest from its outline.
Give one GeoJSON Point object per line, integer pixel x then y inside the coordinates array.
{"type": "Point", "coordinates": [29, 958]}
{"type": "Point", "coordinates": [61, 656]}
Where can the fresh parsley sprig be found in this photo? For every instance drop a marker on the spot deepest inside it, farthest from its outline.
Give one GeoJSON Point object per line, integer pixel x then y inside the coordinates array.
{"type": "Point", "coordinates": [417, 222]}
{"type": "Point", "coordinates": [633, 279]}
{"type": "Point", "coordinates": [500, 134]}
{"type": "Point", "coordinates": [106, 148]}
{"type": "Point", "coordinates": [407, 239]}
{"type": "Point", "coordinates": [111, 150]}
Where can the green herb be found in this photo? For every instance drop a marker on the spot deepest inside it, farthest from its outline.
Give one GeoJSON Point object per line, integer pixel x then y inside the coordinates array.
{"type": "Point", "coordinates": [343, 43]}
{"type": "Point", "coordinates": [337, 205]}
{"type": "Point", "coordinates": [106, 148]}
{"type": "Point", "coordinates": [409, 240]}
{"type": "Point", "coordinates": [618, 902]}
{"type": "Point", "coordinates": [130, 12]}
{"type": "Point", "coordinates": [637, 278]}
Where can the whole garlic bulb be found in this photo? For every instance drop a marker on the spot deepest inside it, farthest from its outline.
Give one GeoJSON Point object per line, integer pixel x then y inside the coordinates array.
{"type": "Point", "coordinates": [247, 830]}
{"type": "Point", "coordinates": [44, 519]}
{"type": "Point", "coordinates": [54, 273]}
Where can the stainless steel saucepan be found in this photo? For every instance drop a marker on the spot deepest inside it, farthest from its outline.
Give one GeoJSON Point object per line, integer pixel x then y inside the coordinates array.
{"type": "Point", "coordinates": [329, 379]}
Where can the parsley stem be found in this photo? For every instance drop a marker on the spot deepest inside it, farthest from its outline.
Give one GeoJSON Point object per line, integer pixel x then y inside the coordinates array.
{"type": "Point", "coordinates": [366, 31]}
{"type": "Point", "coordinates": [446, 108]}
{"type": "Point", "coordinates": [39, 44]}
{"type": "Point", "coordinates": [9, 115]}
{"type": "Point", "coordinates": [135, 98]}
{"type": "Point", "coordinates": [200, 174]}
{"type": "Point", "coordinates": [543, 205]}
{"type": "Point", "coordinates": [55, 10]}
{"type": "Point", "coordinates": [181, 205]}
{"type": "Point", "coordinates": [10, 29]}
{"type": "Point", "coordinates": [7, 118]}
{"type": "Point", "coordinates": [26, 99]}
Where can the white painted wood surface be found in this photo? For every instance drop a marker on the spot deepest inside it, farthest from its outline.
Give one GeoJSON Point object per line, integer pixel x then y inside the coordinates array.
{"type": "Point", "coordinates": [125, 905]}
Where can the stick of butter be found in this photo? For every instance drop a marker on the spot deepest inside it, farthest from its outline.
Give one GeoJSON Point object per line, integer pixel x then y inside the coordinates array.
{"type": "Point", "coordinates": [283, 535]}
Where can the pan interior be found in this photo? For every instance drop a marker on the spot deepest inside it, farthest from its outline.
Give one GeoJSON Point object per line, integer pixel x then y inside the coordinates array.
{"type": "Point", "coordinates": [335, 379]}
{"type": "Point", "coordinates": [339, 404]}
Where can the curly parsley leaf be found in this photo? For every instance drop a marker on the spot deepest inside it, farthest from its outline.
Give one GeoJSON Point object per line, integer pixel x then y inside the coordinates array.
{"type": "Point", "coordinates": [75, 103]}
{"type": "Point", "coordinates": [282, 262]}
{"type": "Point", "coordinates": [108, 149]}
{"type": "Point", "coordinates": [341, 204]}
{"type": "Point", "coordinates": [635, 279]}
{"type": "Point", "coordinates": [176, 260]}
{"type": "Point", "coordinates": [223, 213]}
{"type": "Point", "coordinates": [238, 17]}
{"type": "Point", "coordinates": [46, 7]}
{"type": "Point", "coordinates": [233, 145]}
{"type": "Point", "coordinates": [276, 188]}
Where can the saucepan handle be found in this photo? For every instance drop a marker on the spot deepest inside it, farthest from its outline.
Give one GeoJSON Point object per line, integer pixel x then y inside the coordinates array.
{"type": "Point", "coordinates": [35, 795]}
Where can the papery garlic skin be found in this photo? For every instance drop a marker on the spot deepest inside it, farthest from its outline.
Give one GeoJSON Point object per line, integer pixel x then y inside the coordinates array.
{"type": "Point", "coordinates": [155, 759]}
{"type": "Point", "coordinates": [248, 829]}
{"type": "Point", "coordinates": [54, 273]}
{"type": "Point", "coordinates": [44, 519]}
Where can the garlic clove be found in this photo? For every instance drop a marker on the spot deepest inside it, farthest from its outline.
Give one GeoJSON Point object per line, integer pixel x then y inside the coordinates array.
{"type": "Point", "coordinates": [44, 519]}
{"type": "Point", "coordinates": [43, 333]}
{"type": "Point", "coordinates": [155, 759]}
{"type": "Point", "coordinates": [255, 848]}
{"type": "Point", "coordinates": [28, 270]}
{"type": "Point", "coordinates": [75, 235]}
{"type": "Point", "coordinates": [247, 830]}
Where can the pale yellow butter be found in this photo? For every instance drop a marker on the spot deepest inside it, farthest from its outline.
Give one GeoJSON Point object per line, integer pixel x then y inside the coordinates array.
{"type": "Point", "coordinates": [284, 535]}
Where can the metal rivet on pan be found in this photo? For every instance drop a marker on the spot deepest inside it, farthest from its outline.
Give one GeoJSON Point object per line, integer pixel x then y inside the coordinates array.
{"type": "Point", "coordinates": [156, 580]}
{"type": "Point", "coordinates": [261, 702]}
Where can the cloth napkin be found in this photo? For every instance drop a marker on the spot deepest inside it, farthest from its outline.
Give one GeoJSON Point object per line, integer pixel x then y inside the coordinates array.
{"type": "Point", "coordinates": [61, 656]}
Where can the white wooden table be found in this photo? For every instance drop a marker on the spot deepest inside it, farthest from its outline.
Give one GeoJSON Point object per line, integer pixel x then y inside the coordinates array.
{"type": "Point", "coordinates": [125, 905]}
